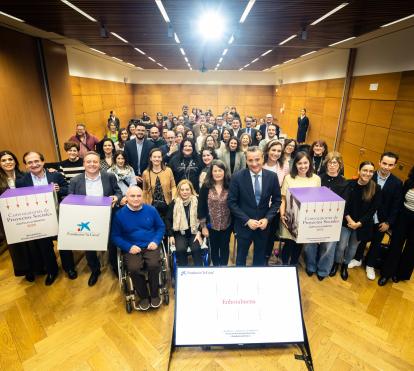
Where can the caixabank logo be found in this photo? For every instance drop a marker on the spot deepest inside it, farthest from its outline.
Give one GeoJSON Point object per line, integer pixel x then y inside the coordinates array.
{"type": "Point", "coordinates": [83, 229]}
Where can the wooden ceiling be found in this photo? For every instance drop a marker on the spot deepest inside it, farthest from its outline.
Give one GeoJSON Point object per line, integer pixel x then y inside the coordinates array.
{"type": "Point", "coordinates": [269, 22]}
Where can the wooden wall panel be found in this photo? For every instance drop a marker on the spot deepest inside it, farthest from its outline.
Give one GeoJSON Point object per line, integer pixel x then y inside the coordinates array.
{"type": "Point", "coordinates": [406, 91]}
{"type": "Point", "coordinates": [403, 118]}
{"type": "Point", "coordinates": [93, 99]}
{"type": "Point", "coordinates": [380, 113]}
{"type": "Point", "coordinates": [354, 132]}
{"type": "Point", "coordinates": [388, 85]}
{"type": "Point", "coordinates": [358, 110]}
{"type": "Point", "coordinates": [25, 123]}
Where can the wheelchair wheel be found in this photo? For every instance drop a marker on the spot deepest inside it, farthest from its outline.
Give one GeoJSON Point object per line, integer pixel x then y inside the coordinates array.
{"type": "Point", "coordinates": [166, 298]}
{"type": "Point", "coordinates": [128, 306]}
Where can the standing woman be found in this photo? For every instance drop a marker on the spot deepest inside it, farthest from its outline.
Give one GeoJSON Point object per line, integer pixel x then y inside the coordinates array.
{"type": "Point", "coordinates": [245, 142]}
{"type": "Point", "coordinates": [225, 137]}
{"type": "Point", "coordinates": [9, 173]}
{"type": "Point", "coordinates": [186, 164]}
{"type": "Point", "coordinates": [159, 121]}
{"type": "Point", "coordinates": [123, 136]}
{"type": "Point", "coordinates": [400, 261]}
{"type": "Point", "coordinates": [233, 157]}
{"type": "Point", "coordinates": [358, 224]}
{"type": "Point", "coordinates": [215, 133]}
{"type": "Point", "coordinates": [318, 151]}
{"type": "Point", "coordinates": [214, 213]}
{"type": "Point", "coordinates": [124, 173]}
{"type": "Point", "coordinates": [107, 154]}
{"type": "Point", "coordinates": [209, 143]}
{"type": "Point", "coordinates": [300, 176]}
{"type": "Point", "coordinates": [158, 183]}
{"type": "Point", "coordinates": [320, 257]}
{"type": "Point", "coordinates": [289, 151]}
{"type": "Point", "coordinates": [207, 157]}
{"type": "Point", "coordinates": [303, 125]}
{"type": "Point", "coordinates": [183, 228]}
{"type": "Point", "coordinates": [274, 162]}
{"type": "Point", "coordinates": [258, 136]}
{"type": "Point", "coordinates": [202, 137]}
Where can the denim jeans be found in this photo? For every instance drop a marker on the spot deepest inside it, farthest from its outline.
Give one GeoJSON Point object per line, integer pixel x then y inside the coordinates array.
{"type": "Point", "coordinates": [347, 246]}
{"type": "Point", "coordinates": [326, 254]}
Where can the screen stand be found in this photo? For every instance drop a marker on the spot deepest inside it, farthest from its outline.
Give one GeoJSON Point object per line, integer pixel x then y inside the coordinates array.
{"type": "Point", "coordinates": [304, 347]}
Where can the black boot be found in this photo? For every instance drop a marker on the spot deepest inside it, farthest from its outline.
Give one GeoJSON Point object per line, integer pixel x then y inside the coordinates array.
{"type": "Point", "coordinates": [334, 269]}
{"type": "Point", "coordinates": [344, 271]}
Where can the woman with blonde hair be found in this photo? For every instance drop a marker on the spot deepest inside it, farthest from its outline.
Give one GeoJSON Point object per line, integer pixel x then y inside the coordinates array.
{"type": "Point", "coordinates": [183, 227]}
{"type": "Point", "coordinates": [245, 142]}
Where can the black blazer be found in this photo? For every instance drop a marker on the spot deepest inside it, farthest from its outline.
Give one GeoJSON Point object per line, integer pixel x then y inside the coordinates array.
{"type": "Point", "coordinates": [58, 178]}
{"type": "Point", "coordinates": [110, 186]}
{"type": "Point", "coordinates": [131, 154]}
{"type": "Point", "coordinates": [252, 134]}
{"type": "Point", "coordinates": [239, 132]}
{"type": "Point", "coordinates": [391, 195]}
{"type": "Point", "coordinates": [263, 128]}
{"type": "Point", "coordinates": [242, 202]}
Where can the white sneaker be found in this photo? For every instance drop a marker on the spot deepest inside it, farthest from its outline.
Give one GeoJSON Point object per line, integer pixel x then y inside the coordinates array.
{"type": "Point", "coordinates": [370, 273]}
{"type": "Point", "coordinates": [354, 263]}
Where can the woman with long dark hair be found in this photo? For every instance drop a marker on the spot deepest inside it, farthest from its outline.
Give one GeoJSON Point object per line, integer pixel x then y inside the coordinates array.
{"type": "Point", "coordinates": [123, 136]}
{"type": "Point", "coordinates": [301, 175]}
{"type": "Point", "coordinates": [124, 173]}
{"type": "Point", "coordinates": [214, 213]}
{"type": "Point", "coordinates": [318, 151]}
{"type": "Point", "coordinates": [131, 130]}
{"type": "Point", "coordinates": [289, 150]}
{"type": "Point", "coordinates": [186, 164]}
{"type": "Point", "coordinates": [107, 154]}
{"type": "Point", "coordinates": [399, 263]}
{"type": "Point", "coordinates": [207, 157]}
{"type": "Point", "coordinates": [361, 205]}
{"type": "Point", "coordinates": [233, 157]}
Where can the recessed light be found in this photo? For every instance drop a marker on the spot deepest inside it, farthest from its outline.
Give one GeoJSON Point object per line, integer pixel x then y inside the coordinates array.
{"type": "Point", "coordinates": [177, 40]}
{"type": "Point", "coordinates": [221, 60]}
{"type": "Point", "coordinates": [133, 65]}
{"type": "Point", "coordinates": [241, 69]}
{"type": "Point", "coordinates": [247, 10]}
{"type": "Point", "coordinates": [117, 59]}
{"type": "Point", "coordinates": [231, 40]}
{"type": "Point", "coordinates": [139, 50]}
{"type": "Point", "coordinates": [267, 52]}
{"type": "Point", "coordinates": [160, 64]}
{"type": "Point", "coordinates": [151, 59]}
{"type": "Point", "coordinates": [79, 10]}
{"type": "Point", "coordinates": [342, 41]}
{"type": "Point", "coordinates": [182, 51]}
{"type": "Point", "coordinates": [398, 20]}
{"type": "Point", "coordinates": [162, 10]}
{"type": "Point", "coordinates": [96, 50]}
{"type": "Point", "coordinates": [247, 65]}
{"type": "Point", "coordinates": [288, 39]}
{"type": "Point", "coordinates": [12, 17]}
{"type": "Point", "coordinates": [186, 59]}
{"type": "Point", "coordinates": [304, 55]}
{"type": "Point", "coordinates": [165, 68]}
{"type": "Point", "coordinates": [119, 37]}
{"type": "Point", "coordinates": [254, 60]}
{"type": "Point", "coordinates": [225, 51]}
{"type": "Point", "coordinates": [339, 7]}
{"type": "Point", "coordinates": [290, 60]}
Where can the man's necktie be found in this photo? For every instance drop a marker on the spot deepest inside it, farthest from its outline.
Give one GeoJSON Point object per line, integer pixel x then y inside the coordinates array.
{"type": "Point", "coordinates": [257, 189]}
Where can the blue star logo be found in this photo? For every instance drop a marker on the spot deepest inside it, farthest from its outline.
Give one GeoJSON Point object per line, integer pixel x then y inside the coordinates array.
{"type": "Point", "coordinates": [83, 225]}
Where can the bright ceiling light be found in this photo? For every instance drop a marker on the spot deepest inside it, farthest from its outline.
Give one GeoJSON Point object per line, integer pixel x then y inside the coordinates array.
{"type": "Point", "coordinates": [130, 64]}
{"type": "Point", "coordinates": [10, 16]}
{"type": "Point", "coordinates": [246, 12]}
{"type": "Point", "coordinates": [339, 7]}
{"type": "Point", "coordinates": [288, 39]}
{"type": "Point", "coordinates": [342, 41]}
{"type": "Point", "coordinates": [275, 66]}
{"type": "Point", "coordinates": [160, 64]}
{"type": "Point", "coordinates": [140, 68]}
{"type": "Point", "coordinates": [247, 65]}
{"type": "Point", "coordinates": [79, 10]}
{"type": "Point", "coordinates": [96, 50]}
{"type": "Point", "coordinates": [117, 59]}
{"type": "Point", "coordinates": [211, 26]}
{"type": "Point", "coordinates": [290, 60]}
{"type": "Point", "coordinates": [231, 40]}
{"type": "Point", "coordinates": [215, 69]}
{"type": "Point", "coordinates": [119, 37]}
{"type": "Point", "coordinates": [177, 40]}
{"type": "Point", "coordinates": [162, 10]}
{"type": "Point", "coordinates": [240, 69]}
{"type": "Point", "coordinates": [225, 51]}
{"type": "Point", "coordinates": [221, 60]}
{"type": "Point", "coordinates": [254, 60]}
{"type": "Point", "coordinates": [186, 59]}
{"type": "Point", "coordinates": [151, 59]}
{"type": "Point", "coordinates": [394, 22]}
{"type": "Point", "coordinates": [165, 68]}
{"type": "Point", "coordinates": [182, 51]}
{"type": "Point", "coordinates": [139, 50]}
{"type": "Point", "coordinates": [304, 55]}
{"type": "Point", "coordinates": [266, 69]}
{"type": "Point", "coordinates": [266, 52]}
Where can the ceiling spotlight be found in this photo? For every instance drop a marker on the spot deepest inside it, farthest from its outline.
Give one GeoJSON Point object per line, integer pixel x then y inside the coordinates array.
{"type": "Point", "coordinates": [139, 50]}
{"type": "Point", "coordinates": [211, 26]}
{"type": "Point", "coordinates": [177, 40]}
{"type": "Point", "coordinates": [182, 51]}
{"type": "Point", "coordinates": [231, 40]}
{"type": "Point", "coordinates": [12, 17]}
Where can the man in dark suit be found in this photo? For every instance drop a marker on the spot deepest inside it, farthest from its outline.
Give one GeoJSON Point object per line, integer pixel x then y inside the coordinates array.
{"type": "Point", "coordinates": [113, 119]}
{"type": "Point", "coordinates": [36, 176]}
{"type": "Point", "coordinates": [263, 127]}
{"type": "Point", "coordinates": [249, 130]}
{"type": "Point", "coordinates": [386, 215]}
{"type": "Point", "coordinates": [236, 130]}
{"type": "Point", "coordinates": [93, 183]}
{"type": "Point", "coordinates": [251, 192]}
{"type": "Point", "coordinates": [137, 152]}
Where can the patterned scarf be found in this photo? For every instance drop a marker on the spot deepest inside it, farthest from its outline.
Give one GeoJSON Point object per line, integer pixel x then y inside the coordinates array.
{"type": "Point", "coordinates": [179, 217]}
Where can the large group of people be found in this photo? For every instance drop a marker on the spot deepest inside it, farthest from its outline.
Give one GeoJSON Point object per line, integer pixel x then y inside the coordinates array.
{"type": "Point", "coordinates": [196, 176]}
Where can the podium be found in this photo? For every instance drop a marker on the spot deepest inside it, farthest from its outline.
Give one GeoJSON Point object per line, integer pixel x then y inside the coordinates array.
{"type": "Point", "coordinates": [239, 306]}
{"type": "Point", "coordinates": [84, 223]}
{"type": "Point", "coordinates": [29, 213]}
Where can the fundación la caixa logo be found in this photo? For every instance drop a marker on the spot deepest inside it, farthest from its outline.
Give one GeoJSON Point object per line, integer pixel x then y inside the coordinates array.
{"type": "Point", "coordinates": [84, 229]}
{"type": "Point", "coordinates": [83, 226]}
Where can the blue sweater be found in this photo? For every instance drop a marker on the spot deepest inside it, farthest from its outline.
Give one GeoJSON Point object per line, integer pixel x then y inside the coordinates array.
{"type": "Point", "coordinates": [138, 228]}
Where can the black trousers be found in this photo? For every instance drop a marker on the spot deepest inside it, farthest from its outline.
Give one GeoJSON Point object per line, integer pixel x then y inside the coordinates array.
{"type": "Point", "coordinates": [181, 244]}
{"type": "Point", "coordinates": [136, 263]}
{"type": "Point", "coordinates": [44, 246]}
{"type": "Point", "coordinates": [400, 259]}
{"type": "Point", "coordinates": [219, 244]}
{"type": "Point", "coordinates": [259, 239]}
{"type": "Point", "coordinates": [291, 252]}
{"type": "Point", "coordinates": [271, 238]}
{"type": "Point", "coordinates": [374, 248]}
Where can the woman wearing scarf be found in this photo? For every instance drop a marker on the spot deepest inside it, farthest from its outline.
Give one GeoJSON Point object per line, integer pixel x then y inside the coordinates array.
{"type": "Point", "coordinates": [182, 224]}
{"type": "Point", "coordinates": [124, 173]}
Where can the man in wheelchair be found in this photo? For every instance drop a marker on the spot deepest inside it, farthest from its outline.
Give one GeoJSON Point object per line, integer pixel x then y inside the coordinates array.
{"type": "Point", "coordinates": [137, 229]}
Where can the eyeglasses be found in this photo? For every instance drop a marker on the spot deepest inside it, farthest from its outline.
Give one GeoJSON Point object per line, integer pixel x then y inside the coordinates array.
{"type": "Point", "coordinates": [333, 163]}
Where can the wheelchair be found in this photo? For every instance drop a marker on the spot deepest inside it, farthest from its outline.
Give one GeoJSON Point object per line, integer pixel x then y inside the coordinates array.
{"type": "Point", "coordinates": [127, 287]}
{"type": "Point", "coordinates": [172, 255]}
